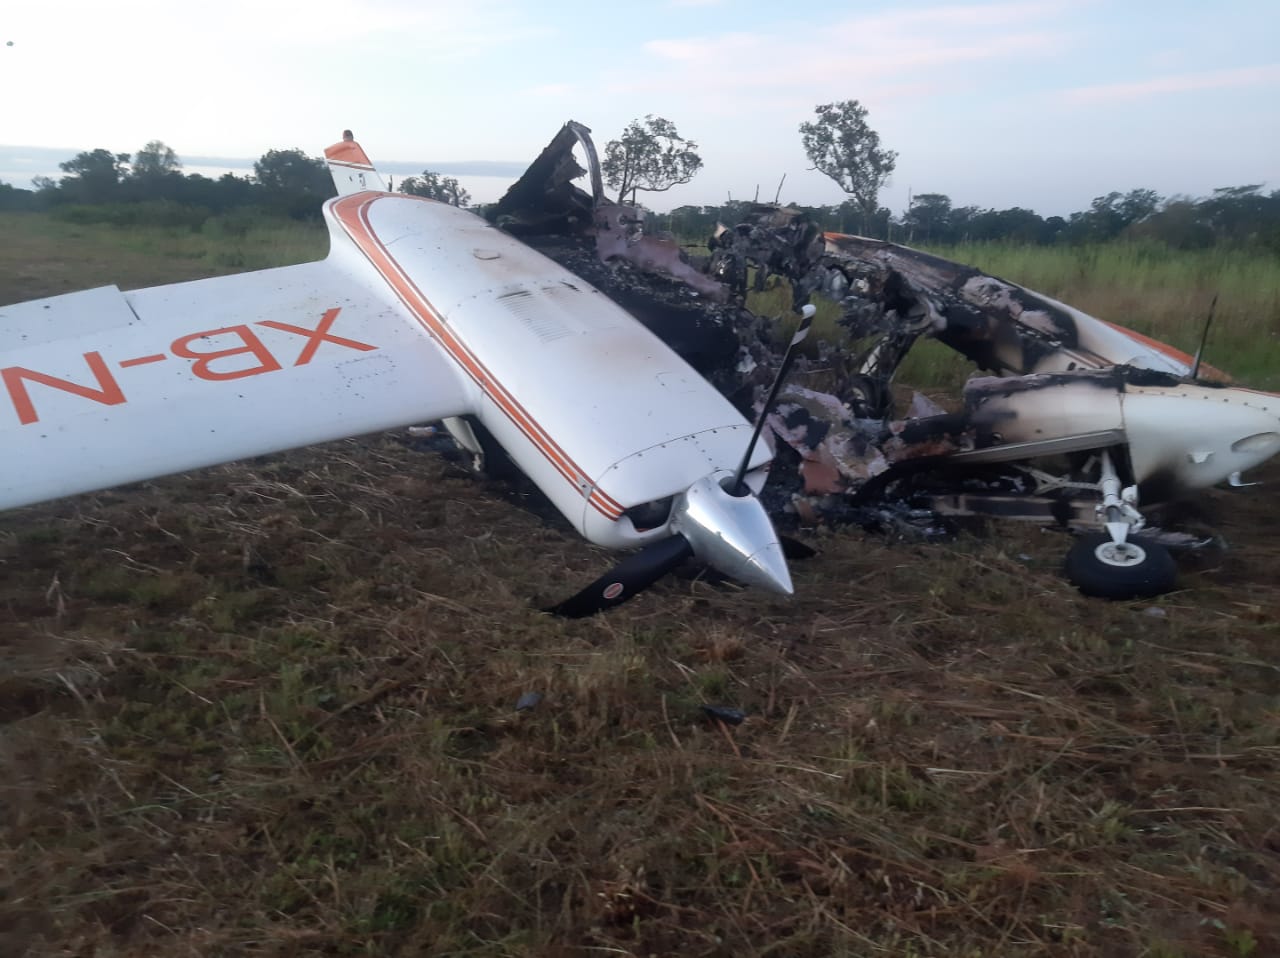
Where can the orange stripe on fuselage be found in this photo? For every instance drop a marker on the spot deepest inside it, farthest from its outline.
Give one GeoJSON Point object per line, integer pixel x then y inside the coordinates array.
{"type": "Point", "coordinates": [1177, 355]}
{"type": "Point", "coordinates": [353, 213]}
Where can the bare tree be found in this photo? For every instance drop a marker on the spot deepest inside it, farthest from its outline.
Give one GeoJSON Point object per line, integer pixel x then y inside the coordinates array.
{"type": "Point", "coordinates": [651, 156]}
{"type": "Point", "coordinates": [841, 144]}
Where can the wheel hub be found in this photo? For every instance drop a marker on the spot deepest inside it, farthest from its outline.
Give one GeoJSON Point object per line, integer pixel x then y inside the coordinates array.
{"type": "Point", "coordinates": [1120, 555]}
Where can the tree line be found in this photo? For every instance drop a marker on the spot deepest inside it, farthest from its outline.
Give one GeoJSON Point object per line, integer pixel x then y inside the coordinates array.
{"type": "Point", "coordinates": [150, 186]}
{"type": "Point", "coordinates": [841, 143]}
{"type": "Point", "coordinates": [286, 182]}
{"type": "Point", "coordinates": [651, 156]}
{"type": "Point", "coordinates": [1234, 215]}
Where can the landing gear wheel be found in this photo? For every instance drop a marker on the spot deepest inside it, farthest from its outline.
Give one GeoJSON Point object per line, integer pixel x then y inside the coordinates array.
{"type": "Point", "coordinates": [1139, 569]}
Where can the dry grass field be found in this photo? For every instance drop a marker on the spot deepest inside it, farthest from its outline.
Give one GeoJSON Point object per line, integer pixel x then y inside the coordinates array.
{"type": "Point", "coordinates": [269, 709]}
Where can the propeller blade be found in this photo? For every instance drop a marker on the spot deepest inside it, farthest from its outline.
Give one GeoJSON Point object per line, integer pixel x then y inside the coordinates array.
{"type": "Point", "coordinates": [795, 549]}
{"type": "Point", "coordinates": [629, 577]}
{"type": "Point", "coordinates": [806, 319]}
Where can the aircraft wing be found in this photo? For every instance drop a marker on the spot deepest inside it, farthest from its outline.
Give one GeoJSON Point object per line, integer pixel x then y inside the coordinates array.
{"type": "Point", "coordinates": [101, 387]}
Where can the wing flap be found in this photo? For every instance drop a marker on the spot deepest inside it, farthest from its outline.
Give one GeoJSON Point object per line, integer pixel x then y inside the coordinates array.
{"type": "Point", "coordinates": [63, 317]}
{"type": "Point", "coordinates": [173, 378]}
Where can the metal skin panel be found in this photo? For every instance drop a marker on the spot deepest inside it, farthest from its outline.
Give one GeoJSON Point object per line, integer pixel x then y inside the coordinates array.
{"type": "Point", "coordinates": [1189, 437]}
{"type": "Point", "coordinates": [571, 385]}
{"type": "Point", "coordinates": [669, 469]}
{"type": "Point", "coordinates": [177, 377]}
{"type": "Point", "coordinates": [1114, 345]}
{"type": "Point", "coordinates": [70, 316]}
{"type": "Point", "coordinates": [1055, 411]}
{"type": "Point", "coordinates": [1195, 437]}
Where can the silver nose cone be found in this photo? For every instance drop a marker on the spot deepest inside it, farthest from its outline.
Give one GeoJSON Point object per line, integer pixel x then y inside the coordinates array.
{"type": "Point", "coordinates": [732, 534]}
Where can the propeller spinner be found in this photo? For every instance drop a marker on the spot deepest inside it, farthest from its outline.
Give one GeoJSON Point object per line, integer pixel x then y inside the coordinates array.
{"type": "Point", "coordinates": [718, 519]}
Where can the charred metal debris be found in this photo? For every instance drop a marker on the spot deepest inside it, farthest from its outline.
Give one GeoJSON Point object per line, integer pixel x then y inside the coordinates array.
{"type": "Point", "coordinates": [850, 448]}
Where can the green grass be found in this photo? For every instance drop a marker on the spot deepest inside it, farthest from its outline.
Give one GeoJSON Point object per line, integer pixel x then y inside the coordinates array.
{"type": "Point", "coordinates": [42, 256]}
{"type": "Point", "coordinates": [947, 751]}
{"type": "Point", "coordinates": [1162, 292]}
{"type": "Point", "coordinates": [268, 709]}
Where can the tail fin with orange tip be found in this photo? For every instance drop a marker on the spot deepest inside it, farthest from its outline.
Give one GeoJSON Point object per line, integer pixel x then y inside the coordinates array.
{"type": "Point", "coordinates": [350, 167]}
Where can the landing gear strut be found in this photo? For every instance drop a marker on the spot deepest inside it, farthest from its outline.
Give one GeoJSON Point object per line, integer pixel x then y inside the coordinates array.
{"type": "Point", "coordinates": [1117, 564]}
{"type": "Point", "coordinates": [488, 458]}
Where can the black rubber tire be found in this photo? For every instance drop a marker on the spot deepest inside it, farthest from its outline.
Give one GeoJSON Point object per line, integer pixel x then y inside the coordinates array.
{"type": "Point", "coordinates": [1146, 572]}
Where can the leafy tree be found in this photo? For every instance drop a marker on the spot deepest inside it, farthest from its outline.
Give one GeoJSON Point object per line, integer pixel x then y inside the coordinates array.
{"type": "Point", "coordinates": [1108, 216]}
{"type": "Point", "coordinates": [692, 221]}
{"type": "Point", "coordinates": [1055, 227]}
{"type": "Point", "coordinates": [1019, 225]}
{"type": "Point", "coordinates": [840, 144]}
{"type": "Point", "coordinates": [292, 182]}
{"type": "Point", "coordinates": [93, 176]}
{"type": "Point", "coordinates": [651, 156]}
{"type": "Point", "coordinates": [436, 187]}
{"type": "Point", "coordinates": [1180, 223]}
{"type": "Point", "coordinates": [1236, 213]}
{"type": "Point", "coordinates": [285, 171]}
{"type": "Point", "coordinates": [155, 160]}
{"type": "Point", "coordinates": [12, 198]}
{"type": "Point", "coordinates": [962, 221]}
{"type": "Point", "coordinates": [1136, 205]}
{"type": "Point", "coordinates": [929, 219]}
{"type": "Point", "coordinates": [231, 191]}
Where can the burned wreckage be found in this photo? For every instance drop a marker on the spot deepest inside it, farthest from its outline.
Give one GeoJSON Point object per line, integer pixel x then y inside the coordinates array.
{"type": "Point", "coordinates": [1077, 422]}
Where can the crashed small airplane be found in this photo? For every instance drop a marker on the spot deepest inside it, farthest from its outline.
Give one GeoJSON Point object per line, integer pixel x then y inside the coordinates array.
{"type": "Point", "coordinates": [421, 312]}
{"type": "Point", "coordinates": [606, 364]}
{"type": "Point", "coordinates": [1080, 422]}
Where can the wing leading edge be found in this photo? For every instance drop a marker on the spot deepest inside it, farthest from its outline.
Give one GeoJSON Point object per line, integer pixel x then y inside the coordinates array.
{"type": "Point", "coordinates": [101, 388]}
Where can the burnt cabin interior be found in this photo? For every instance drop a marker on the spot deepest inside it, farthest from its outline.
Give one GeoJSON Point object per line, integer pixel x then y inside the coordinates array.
{"type": "Point", "coordinates": [889, 297]}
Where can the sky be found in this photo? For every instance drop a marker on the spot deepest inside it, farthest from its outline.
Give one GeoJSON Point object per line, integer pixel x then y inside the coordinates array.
{"type": "Point", "coordinates": [1043, 104]}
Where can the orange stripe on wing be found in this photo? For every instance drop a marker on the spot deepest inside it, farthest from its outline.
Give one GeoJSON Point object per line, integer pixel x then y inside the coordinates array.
{"type": "Point", "coordinates": [422, 308]}
{"type": "Point", "coordinates": [353, 213]}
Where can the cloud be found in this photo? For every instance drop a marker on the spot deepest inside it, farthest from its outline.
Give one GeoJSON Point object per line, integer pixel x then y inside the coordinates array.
{"type": "Point", "coordinates": [1175, 83]}
{"type": "Point", "coordinates": [860, 52]}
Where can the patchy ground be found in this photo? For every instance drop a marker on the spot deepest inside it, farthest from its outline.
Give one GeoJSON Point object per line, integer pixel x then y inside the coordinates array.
{"type": "Point", "coordinates": [271, 709]}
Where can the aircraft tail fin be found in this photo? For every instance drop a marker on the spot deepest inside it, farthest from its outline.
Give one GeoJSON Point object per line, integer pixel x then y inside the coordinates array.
{"type": "Point", "coordinates": [350, 167]}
